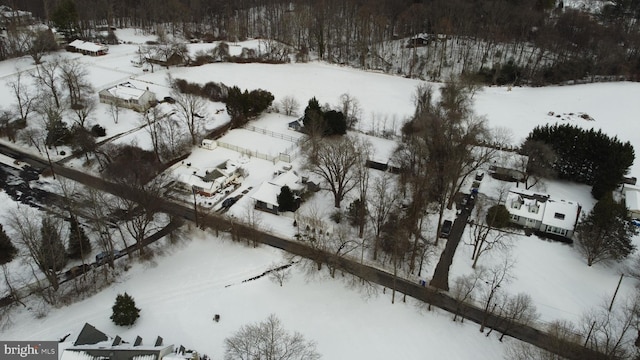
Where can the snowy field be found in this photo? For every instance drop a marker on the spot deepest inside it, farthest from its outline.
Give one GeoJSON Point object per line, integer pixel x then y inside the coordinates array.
{"type": "Point", "coordinates": [180, 290]}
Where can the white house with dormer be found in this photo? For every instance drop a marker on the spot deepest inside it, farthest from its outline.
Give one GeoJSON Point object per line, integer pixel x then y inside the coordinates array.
{"type": "Point", "coordinates": [128, 96]}
{"type": "Point", "coordinates": [539, 212]}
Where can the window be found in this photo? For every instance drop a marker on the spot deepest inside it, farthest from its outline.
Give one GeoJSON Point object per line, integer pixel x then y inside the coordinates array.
{"type": "Point", "coordinates": [559, 216]}
{"type": "Point", "coordinates": [515, 217]}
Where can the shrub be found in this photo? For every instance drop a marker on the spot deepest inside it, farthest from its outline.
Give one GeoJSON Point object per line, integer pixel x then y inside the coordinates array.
{"type": "Point", "coordinates": [498, 216]}
{"type": "Point", "coordinates": [7, 250]}
{"type": "Point", "coordinates": [125, 312]}
{"type": "Point", "coordinates": [98, 131]}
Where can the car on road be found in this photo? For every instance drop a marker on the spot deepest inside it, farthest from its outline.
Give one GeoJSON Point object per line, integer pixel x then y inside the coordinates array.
{"type": "Point", "coordinates": [445, 229]}
{"type": "Point", "coordinates": [77, 271]}
{"type": "Point", "coordinates": [103, 257]}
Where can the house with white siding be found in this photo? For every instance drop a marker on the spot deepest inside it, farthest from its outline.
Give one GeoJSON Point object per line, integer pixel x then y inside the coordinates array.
{"type": "Point", "coordinates": [539, 212]}
{"type": "Point", "coordinates": [128, 96]}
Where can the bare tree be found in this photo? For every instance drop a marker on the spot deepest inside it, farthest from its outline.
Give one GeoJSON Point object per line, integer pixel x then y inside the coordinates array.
{"type": "Point", "coordinates": [561, 332]}
{"type": "Point", "coordinates": [41, 244]}
{"type": "Point", "coordinates": [24, 97]}
{"type": "Point", "coordinates": [114, 110]}
{"type": "Point", "coordinates": [350, 107]}
{"type": "Point", "coordinates": [612, 330]}
{"type": "Point", "coordinates": [496, 276]}
{"type": "Point", "coordinates": [540, 158]}
{"type": "Point", "coordinates": [46, 75]}
{"type": "Point", "coordinates": [280, 274]}
{"type": "Point", "coordinates": [100, 217]}
{"type": "Point", "coordinates": [191, 110]}
{"type": "Point", "coordinates": [79, 91]}
{"type": "Point", "coordinates": [152, 118]}
{"type": "Point", "coordinates": [382, 204]}
{"type": "Point", "coordinates": [515, 312]}
{"type": "Point", "coordinates": [485, 234]}
{"type": "Point", "coordinates": [335, 161]}
{"type": "Point", "coordinates": [289, 105]}
{"type": "Point", "coordinates": [463, 290]}
{"type": "Point", "coordinates": [268, 340]}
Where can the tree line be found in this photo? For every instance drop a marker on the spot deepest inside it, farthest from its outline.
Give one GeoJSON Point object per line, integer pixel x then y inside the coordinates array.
{"type": "Point", "coordinates": [537, 41]}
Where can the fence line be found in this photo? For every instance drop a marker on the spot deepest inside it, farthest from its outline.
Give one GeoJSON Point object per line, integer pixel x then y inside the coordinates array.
{"type": "Point", "coordinates": [287, 156]}
{"type": "Point", "coordinates": [270, 133]}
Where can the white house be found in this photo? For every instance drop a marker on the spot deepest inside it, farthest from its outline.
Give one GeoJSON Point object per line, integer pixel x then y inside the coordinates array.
{"type": "Point", "coordinates": [128, 96]}
{"type": "Point", "coordinates": [266, 196]}
{"type": "Point", "coordinates": [211, 181]}
{"type": "Point", "coordinates": [539, 212]}
{"type": "Point", "coordinates": [632, 201]}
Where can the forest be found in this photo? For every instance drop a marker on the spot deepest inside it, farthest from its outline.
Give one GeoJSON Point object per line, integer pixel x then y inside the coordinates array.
{"type": "Point", "coordinates": [515, 42]}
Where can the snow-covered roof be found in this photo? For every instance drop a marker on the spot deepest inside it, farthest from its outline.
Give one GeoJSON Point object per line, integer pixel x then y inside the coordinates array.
{"type": "Point", "coordinates": [510, 160]}
{"type": "Point", "coordinates": [525, 204]}
{"type": "Point", "coordinates": [79, 355]}
{"type": "Point", "coordinates": [561, 214]}
{"type": "Point", "coordinates": [268, 191]}
{"type": "Point", "coordinates": [126, 91]}
{"type": "Point", "coordinates": [290, 179]}
{"type": "Point", "coordinates": [195, 180]}
{"type": "Point", "coordinates": [88, 46]}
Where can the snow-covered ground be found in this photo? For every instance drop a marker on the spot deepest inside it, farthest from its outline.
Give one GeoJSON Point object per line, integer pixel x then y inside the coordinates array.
{"type": "Point", "coordinates": [181, 290]}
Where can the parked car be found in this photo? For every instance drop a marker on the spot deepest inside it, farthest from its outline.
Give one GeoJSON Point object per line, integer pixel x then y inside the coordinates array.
{"type": "Point", "coordinates": [445, 229]}
{"type": "Point", "coordinates": [228, 202]}
{"type": "Point", "coordinates": [77, 271]}
{"type": "Point", "coordinates": [479, 176]}
{"type": "Point", "coordinates": [103, 257]}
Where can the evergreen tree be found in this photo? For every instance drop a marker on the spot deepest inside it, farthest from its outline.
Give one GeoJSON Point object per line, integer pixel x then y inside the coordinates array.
{"type": "Point", "coordinates": [7, 250]}
{"type": "Point", "coordinates": [286, 200]}
{"type": "Point", "coordinates": [65, 17]}
{"type": "Point", "coordinates": [336, 123]}
{"type": "Point", "coordinates": [58, 134]}
{"type": "Point", "coordinates": [313, 119]}
{"type": "Point", "coordinates": [587, 156]}
{"type": "Point", "coordinates": [51, 251]}
{"type": "Point", "coordinates": [606, 232]}
{"type": "Point", "coordinates": [125, 312]}
{"type": "Point", "coordinates": [356, 212]}
{"type": "Point", "coordinates": [79, 245]}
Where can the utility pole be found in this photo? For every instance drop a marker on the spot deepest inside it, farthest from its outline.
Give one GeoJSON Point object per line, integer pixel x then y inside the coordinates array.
{"type": "Point", "coordinates": [616, 292]}
{"type": "Point", "coordinates": [195, 205]}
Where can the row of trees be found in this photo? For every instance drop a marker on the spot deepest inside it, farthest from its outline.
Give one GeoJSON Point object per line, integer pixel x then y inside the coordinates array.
{"type": "Point", "coordinates": [586, 156]}
{"type": "Point", "coordinates": [539, 40]}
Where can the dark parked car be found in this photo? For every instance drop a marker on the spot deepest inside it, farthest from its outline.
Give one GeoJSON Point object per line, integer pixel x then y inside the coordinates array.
{"type": "Point", "coordinates": [76, 271]}
{"type": "Point", "coordinates": [227, 203]}
{"type": "Point", "coordinates": [445, 229]}
{"type": "Point", "coordinates": [103, 257]}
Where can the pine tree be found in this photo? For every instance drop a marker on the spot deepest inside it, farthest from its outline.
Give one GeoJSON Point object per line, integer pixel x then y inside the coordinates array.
{"type": "Point", "coordinates": [7, 250]}
{"type": "Point", "coordinates": [79, 244]}
{"type": "Point", "coordinates": [125, 312]}
{"type": "Point", "coordinates": [286, 201]}
{"type": "Point", "coordinates": [606, 232]}
{"type": "Point", "coordinates": [53, 256]}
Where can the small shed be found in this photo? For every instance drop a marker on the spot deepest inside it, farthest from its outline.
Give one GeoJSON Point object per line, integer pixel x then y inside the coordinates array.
{"type": "Point", "coordinates": [209, 144]}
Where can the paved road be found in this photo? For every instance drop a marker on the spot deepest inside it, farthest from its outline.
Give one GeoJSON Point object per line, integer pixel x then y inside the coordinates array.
{"type": "Point", "coordinates": [429, 295]}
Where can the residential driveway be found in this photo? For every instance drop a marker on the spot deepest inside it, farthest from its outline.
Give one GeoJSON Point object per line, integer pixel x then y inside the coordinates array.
{"type": "Point", "coordinates": [441, 274]}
